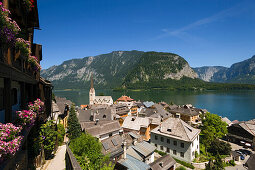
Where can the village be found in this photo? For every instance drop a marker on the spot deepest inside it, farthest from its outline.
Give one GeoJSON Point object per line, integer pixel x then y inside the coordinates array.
{"type": "Point", "coordinates": [148, 135]}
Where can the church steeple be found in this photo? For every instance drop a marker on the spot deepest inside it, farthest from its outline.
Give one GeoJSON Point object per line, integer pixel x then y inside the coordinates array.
{"type": "Point", "coordinates": [91, 82]}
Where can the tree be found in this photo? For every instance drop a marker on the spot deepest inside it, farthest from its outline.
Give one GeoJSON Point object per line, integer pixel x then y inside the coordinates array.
{"type": "Point", "coordinates": [219, 147]}
{"type": "Point", "coordinates": [87, 150]}
{"type": "Point", "coordinates": [215, 165]}
{"type": "Point", "coordinates": [73, 125]}
{"type": "Point", "coordinates": [213, 128]}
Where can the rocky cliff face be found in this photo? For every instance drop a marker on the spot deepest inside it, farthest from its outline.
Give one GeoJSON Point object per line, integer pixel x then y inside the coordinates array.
{"type": "Point", "coordinates": [207, 73]}
{"type": "Point", "coordinates": [241, 72]}
{"type": "Point", "coordinates": [113, 69]}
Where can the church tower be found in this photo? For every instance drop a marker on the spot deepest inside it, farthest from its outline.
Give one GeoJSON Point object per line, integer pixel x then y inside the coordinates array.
{"type": "Point", "coordinates": [92, 92]}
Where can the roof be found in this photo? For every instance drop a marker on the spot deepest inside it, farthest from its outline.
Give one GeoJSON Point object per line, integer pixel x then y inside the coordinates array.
{"type": "Point", "coordinates": [251, 162]}
{"type": "Point", "coordinates": [132, 134]}
{"type": "Point", "coordinates": [134, 164]}
{"type": "Point", "coordinates": [61, 102]}
{"type": "Point", "coordinates": [144, 148]}
{"type": "Point", "coordinates": [112, 145]}
{"type": "Point", "coordinates": [178, 129]}
{"type": "Point", "coordinates": [164, 163]}
{"type": "Point", "coordinates": [148, 104]}
{"type": "Point", "coordinates": [92, 115]}
{"type": "Point", "coordinates": [135, 123]}
{"type": "Point", "coordinates": [225, 119]}
{"type": "Point", "coordinates": [125, 99]}
{"type": "Point", "coordinates": [185, 111]}
{"type": "Point", "coordinates": [101, 128]}
{"type": "Point", "coordinates": [248, 127]}
{"type": "Point", "coordinates": [103, 99]}
{"type": "Point", "coordinates": [234, 153]}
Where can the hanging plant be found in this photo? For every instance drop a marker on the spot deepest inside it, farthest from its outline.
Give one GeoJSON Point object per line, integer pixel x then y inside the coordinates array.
{"type": "Point", "coordinates": [34, 63]}
{"type": "Point", "coordinates": [29, 4]}
{"type": "Point", "coordinates": [9, 28]}
{"type": "Point", "coordinates": [23, 46]}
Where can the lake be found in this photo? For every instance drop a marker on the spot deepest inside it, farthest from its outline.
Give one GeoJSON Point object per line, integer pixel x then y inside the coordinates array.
{"type": "Point", "coordinates": [236, 105]}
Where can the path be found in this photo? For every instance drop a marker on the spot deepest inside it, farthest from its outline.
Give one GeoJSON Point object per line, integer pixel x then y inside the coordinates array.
{"type": "Point", "coordinates": [58, 162]}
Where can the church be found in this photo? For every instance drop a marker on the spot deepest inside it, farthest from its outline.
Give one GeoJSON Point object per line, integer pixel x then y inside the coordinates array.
{"type": "Point", "coordinates": [98, 100]}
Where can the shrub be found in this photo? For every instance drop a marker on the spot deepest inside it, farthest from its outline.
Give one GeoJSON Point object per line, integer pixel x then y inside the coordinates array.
{"type": "Point", "coordinates": [160, 152]}
{"type": "Point", "coordinates": [181, 168]}
{"type": "Point", "coordinates": [61, 134]}
{"type": "Point", "coordinates": [189, 165]}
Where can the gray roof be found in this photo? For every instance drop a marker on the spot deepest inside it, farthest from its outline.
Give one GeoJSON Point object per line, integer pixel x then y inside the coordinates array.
{"type": "Point", "coordinates": [251, 162]}
{"type": "Point", "coordinates": [178, 129]}
{"type": "Point", "coordinates": [164, 163]}
{"type": "Point", "coordinates": [225, 119]}
{"type": "Point", "coordinates": [61, 103]}
{"type": "Point", "coordinates": [248, 127]}
{"type": "Point", "coordinates": [100, 114]}
{"type": "Point", "coordinates": [157, 111]}
{"type": "Point", "coordinates": [148, 104]}
{"type": "Point", "coordinates": [114, 146]}
{"type": "Point", "coordinates": [185, 111]}
{"type": "Point", "coordinates": [144, 148]}
{"type": "Point", "coordinates": [101, 128]}
{"type": "Point", "coordinates": [134, 164]}
{"type": "Point", "coordinates": [135, 123]}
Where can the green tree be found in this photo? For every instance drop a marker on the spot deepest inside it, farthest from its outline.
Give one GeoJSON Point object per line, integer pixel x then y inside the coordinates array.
{"type": "Point", "coordinates": [219, 147]}
{"type": "Point", "coordinates": [213, 128]}
{"type": "Point", "coordinates": [73, 125]}
{"type": "Point", "coordinates": [87, 150]}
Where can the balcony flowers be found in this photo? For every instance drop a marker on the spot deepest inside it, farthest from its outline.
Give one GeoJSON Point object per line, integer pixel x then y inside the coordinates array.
{"type": "Point", "coordinates": [9, 28]}
{"type": "Point", "coordinates": [29, 4]}
{"type": "Point", "coordinates": [10, 140]}
{"type": "Point", "coordinates": [23, 46]}
{"type": "Point", "coordinates": [34, 63]}
{"type": "Point", "coordinates": [26, 117]}
{"type": "Point", "coordinates": [37, 107]}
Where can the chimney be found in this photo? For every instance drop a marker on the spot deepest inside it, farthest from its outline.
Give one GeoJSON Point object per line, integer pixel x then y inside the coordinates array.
{"type": "Point", "coordinates": [96, 121]}
{"type": "Point", "coordinates": [125, 150]}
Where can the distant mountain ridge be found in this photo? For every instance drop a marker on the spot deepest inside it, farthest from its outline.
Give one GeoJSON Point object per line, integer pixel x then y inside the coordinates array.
{"type": "Point", "coordinates": [117, 68]}
{"type": "Point", "coordinates": [242, 72]}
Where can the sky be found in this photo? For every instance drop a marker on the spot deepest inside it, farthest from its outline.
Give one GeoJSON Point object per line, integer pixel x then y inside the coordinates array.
{"type": "Point", "coordinates": [204, 32]}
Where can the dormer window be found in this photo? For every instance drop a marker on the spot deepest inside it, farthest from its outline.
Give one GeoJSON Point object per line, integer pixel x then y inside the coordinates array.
{"type": "Point", "coordinates": [161, 164]}
{"type": "Point", "coordinates": [133, 119]}
{"type": "Point", "coordinates": [169, 130]}
{"type": "Point", "coordinates": [104, 116]}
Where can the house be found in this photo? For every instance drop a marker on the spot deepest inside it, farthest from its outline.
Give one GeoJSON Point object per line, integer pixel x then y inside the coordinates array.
{"type": "Point", "coordinates": [250, 163]}
{"type": "Point", "coordinates": [113, 147]}
{"type": "Point", "coordinates": [225, 119]}
{"type": "Point", "coordinates": [156, 111]}
{"type": "Point", "coordinates": [98, 100]}
{"type": "Point", "coordinates": [242, 132]}
{"type": "Point", "coordinates": [104, 114]}
{"type": "Point", "coordinates": [63, 106]}
{"type": "Point", "coordinates": [164, 163]}
{"type": "Point", "coordinates": [235, 156]}
{"type": "Point", "coordinates": [176, 138]}
{"type": "Point", "coordinates": [187, 113]}
{"type": "Point", "coordinates": [131, 163]}
{"type": "Point", "coordinates": [102, 129]}
{"type": "Point", "coordinates": [142, 151]}
{"type": "Point", "coordinates": [148, 104]}
{"type": "Point", "coordinates": [126, 100]}
{"type": "Point", "coordinates": [20, 81]}
{"type": "Point", "coordinates": [138, 124]}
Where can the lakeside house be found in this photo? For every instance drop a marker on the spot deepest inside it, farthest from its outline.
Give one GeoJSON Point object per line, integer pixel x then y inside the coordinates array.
{"type": "Point", "coordinates": [242, 133]}
{"type": "Point", "coordinates": [176, 138]}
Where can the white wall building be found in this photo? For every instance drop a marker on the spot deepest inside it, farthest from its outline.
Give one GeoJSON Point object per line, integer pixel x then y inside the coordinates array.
{"type": "Point", "coordinates": [176, 138]}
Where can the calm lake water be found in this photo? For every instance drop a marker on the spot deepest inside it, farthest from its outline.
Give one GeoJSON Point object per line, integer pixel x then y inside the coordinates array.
{"type": "Point", "coordinates": [236, 105]}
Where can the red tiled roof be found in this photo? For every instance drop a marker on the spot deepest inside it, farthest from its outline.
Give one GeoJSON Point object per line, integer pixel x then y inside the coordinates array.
{"type": "Point", "coordinates": [125, 98]}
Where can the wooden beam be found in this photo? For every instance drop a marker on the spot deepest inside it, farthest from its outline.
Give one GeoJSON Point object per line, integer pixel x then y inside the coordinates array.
{"type": "Point", "coordinates": [7, 100]}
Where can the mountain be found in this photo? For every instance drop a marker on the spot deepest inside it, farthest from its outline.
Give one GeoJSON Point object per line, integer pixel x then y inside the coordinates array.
{"type": "Point", "coordinates": [241, 72]}
{"type": "Point", "coordinates": [118, 68]}
{"type": "Point", "coordinates": [207, 73]}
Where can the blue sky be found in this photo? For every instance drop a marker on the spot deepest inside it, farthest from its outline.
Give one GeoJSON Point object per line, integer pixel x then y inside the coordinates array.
{"type": "Point", "coordinates": [204, 32]}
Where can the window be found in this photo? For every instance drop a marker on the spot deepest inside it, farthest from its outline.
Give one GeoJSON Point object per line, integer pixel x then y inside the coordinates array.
{"type": "Point", "coordinates": [156, 137]}
{"type": "Point", "coordinates": [161, 148]}
{"type": "Point", "coordinates": [104, 116]}
{"type": "Point", "coordinates": [193, 153]}
{"type": "Point", "coordinates": [14, 96]}
{"type": "Point", "coordinates": [182, 154]}
{"type": "Point", "coordinates": [167, 150]}
{"type": "Point", "coordinates": [110, 134]}
{"type": "Point", "coordinates": [197, 146]}
{"type": "Point", "coordinates": [156, 145]}
{"type": "Point", "coordinates": [169, 130]}
{"type": "Point", "coordinates": [174, 152]}
{"type": "Point", "coordinates": [175, 143]}
{"type": "Point", "coordinates": [168, 140]}
{"type": "Point", "coordinates": [182, 145]}
{"type": "Point", "coordinates": [1, 98]}
{"type": "Point", "coordinates": [162, 139]}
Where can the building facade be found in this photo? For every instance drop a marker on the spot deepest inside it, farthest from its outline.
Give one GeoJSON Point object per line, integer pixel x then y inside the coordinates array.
{"type": "Point", "coordinates": [176, 138]}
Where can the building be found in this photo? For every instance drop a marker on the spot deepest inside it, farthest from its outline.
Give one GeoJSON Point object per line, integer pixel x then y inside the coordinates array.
{"type": "Point", "coordinates": [250, 164]}
{"type": "Point", "coordinates": [164, 163]}
{"type": "Point", "coordinates": [20, 80]}
{"type": "Point", "coordinates": [242, 133]}
{"type": "Point", "coordinates": [61, 109]}
{"type": "Point", "coordinates": [98, 100]}
{"type": "Point", "coordinates": [142, 151]}
{"type": "Point", "coordinates": [138, 124]}
{"type": "Point", "coordinates": [176, 138]}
